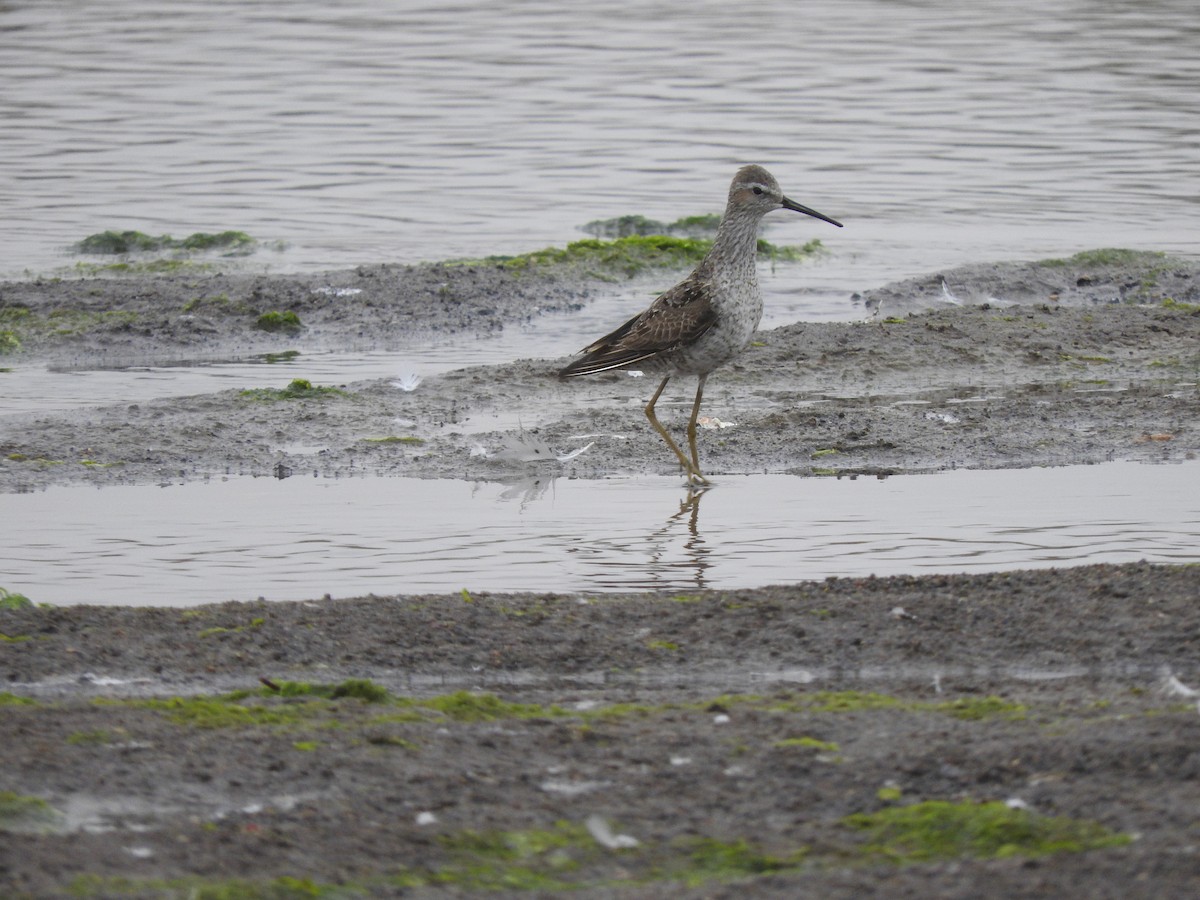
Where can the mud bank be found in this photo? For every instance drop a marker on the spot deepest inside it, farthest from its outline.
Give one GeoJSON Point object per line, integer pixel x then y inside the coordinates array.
{"type": "Point", "coordinates": [730, 737]}
{"type": "Point", "coordinates": [1077, 376]}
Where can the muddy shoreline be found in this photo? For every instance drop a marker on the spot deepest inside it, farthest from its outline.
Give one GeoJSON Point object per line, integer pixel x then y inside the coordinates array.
{"type": "Point", "coordinates": [714, 744]}
{"type": "Point", "coordinates": [731, 734]}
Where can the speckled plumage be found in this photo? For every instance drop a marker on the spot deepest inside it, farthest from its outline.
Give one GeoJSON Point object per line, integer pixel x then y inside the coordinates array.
{"type": "Point", "coordinates": [708, 318]}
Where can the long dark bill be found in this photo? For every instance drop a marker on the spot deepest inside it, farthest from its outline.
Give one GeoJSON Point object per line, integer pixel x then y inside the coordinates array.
{"type": "Point", "coordinates": [801, 208]}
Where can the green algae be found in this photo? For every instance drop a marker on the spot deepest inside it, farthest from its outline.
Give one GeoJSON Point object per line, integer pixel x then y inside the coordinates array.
{"type": "Point", "coordinates": [117, 243]}
{"type": "Point", "coordinates": [355, 688]}
{"type": "Point", "coordinates": [12, 600]}
{"type": "Point", "coordinates": [217, 304]}
{"type": "Point", "coordinates": [464, 706]}
{"type": "Point", "coordinates": [245, 709]}
{"type": "Point", "coordinates": [298, 389]}
{"type": "Point", "coordinates": [276, 320]}
{"type": "Point", "coordinates": [25, 326]}
{"type": "Point", "coordinates": [1180, 306]}
{"type": "Point", "coordinates": [1106, 256]}
{"type": "Point", "coordinates": [9, 699]}
{"type": "Point", "coordinates": [228, 712]}
{"type": "Point", "coordinates": [626, 256]}
{"type": "Point", "coordinates": [565, 856]}
{"type": "Point", "coordinates": [144, 267]}
{"type": "Point", "coordinates": [969, 708]}
{"type": "Point", "coordinates": [218, 629]}
{"type": "Point", "coordinates": [561, 857]}
{"type": "Point", "coordinates": [938, 829]}
{"type": "Point", "coordinates": [976, 708]}
{"type": "Point", "coordinates": [281, 356]}
{"type": "Point", "coordinates": [708, 859]}
{"type": "Point", "coordinates": [23, 814]}
{"type": "Point", "coordinates": [669, 646]}
{"type": "Point", "coordinates": [808, 743]}
{"type": "Point", "coordinates": [638, 225]}
{"type": "Point", "coordinates": [631, 255]}
{"type": "Point", "coordinates": [394, 439]}
{"type": "Point", "coordinates": [97, 464]}
{"type": "Point", "coordinates": [525, 859]}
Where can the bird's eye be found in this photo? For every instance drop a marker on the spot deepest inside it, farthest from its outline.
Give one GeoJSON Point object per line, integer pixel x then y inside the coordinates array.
{"type": "Point", "coordinates": [758, 190]}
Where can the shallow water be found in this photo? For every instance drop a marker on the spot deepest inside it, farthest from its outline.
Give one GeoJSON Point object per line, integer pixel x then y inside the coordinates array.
{"type": "Point", "coordinates": [372, 131]}
{"type": "Point", "coordinates": [243, 538]}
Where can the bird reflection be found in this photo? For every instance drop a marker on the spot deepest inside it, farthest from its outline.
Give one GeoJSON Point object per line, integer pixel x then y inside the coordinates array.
{"type": "Point", "coordinates": [695, 552]}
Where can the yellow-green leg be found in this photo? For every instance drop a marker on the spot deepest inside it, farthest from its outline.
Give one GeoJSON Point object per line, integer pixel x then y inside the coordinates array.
{"type": "Point", "coordinates": [691, 430]}
{"type": "Point", "coordinates": [693, 470]}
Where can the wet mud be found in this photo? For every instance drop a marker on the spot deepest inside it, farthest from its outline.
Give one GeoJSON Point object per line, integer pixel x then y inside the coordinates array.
{"type": "Point", "coordinates": [1071, 375]}
{"type": "Point", "coordinates": [714, 744]}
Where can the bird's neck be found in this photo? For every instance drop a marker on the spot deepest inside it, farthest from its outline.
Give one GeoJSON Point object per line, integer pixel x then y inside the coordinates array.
{"type": "Point", "coordinates": [733, 256]}
{"type": "Point", "coordinates": [737, 237]}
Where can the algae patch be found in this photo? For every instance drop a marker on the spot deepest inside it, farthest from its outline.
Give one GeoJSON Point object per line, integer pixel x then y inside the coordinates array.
{"type": "Point", "coordinates": [116, 243]}
{"type": "Point", "coordinates": [569, 856]}
{"type": "Point", "coordinates": [273, 321]}
{"type": "Point", "coordinates": [628, 256]}
{"type": "Point", "coordinates": [12, 600]}
{"type": "Point", "coordinates": [1106, 256]}
{"type": "Point", "coordinates": [298, 389]}
{"type": "Point", "coordinates": [938, 829]}
{"type": "Point", "coordinates": [22, 814]}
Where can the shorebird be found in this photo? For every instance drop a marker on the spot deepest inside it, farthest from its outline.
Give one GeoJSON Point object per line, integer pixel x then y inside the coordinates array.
{"type": "Point", "coordinates": [705, 320]}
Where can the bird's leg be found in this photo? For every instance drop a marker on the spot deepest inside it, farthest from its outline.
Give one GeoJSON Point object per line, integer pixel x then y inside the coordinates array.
{"type": "Point", "coordinates": [692, 473]}
{"type": "Point", "coordinates": [691, 431]}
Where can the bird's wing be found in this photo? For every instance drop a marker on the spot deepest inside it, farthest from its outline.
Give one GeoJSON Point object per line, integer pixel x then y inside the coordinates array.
{"type": "Point", "coordinates": [677, 318]}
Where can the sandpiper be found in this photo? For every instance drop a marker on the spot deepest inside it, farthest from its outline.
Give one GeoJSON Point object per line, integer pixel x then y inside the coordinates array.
{"type": "Point", "coordinates": [705, 320]}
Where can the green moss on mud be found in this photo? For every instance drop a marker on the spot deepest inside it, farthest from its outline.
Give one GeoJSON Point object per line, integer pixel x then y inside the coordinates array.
{"type": "Point", "coordinates": [10, 342]}
{"type": "Point", "coordinates": [24, 325]}
{"type": "Point", "coordinates": [298, 389]}
{"type": "Point", "coordinates": [808, 743]}
{"type": "Point", "coordinates": [23, 814]}
{"type": "Point", "coordinates": [971, 708]}
{"type": "Point", "coordinates": [568, 855]}
{"type": "Point", "coordinates": [394, 439]}
{"type": "Point", "coordinates": [234, 629]}
{"type": "Point", "coordinates": [275, 320]}
{"type": "Point", "coordinates": [246, 709]}
{"type": "Point", "coordinates": [123, 242]}
{"type": "Point", "coordinates": [1106, 256]}
{"type": "Point", "coordinates": [937, 829]}
{"type": "Point", "coordinates": [628, 256]}
{"type": "Point", "coordinates": [12, 600]}
{"type": "Point", "coordinates": [356, 688]}
{"type": "Point", "coordinates": [464, 706]}
{"type": "Point", "coordinates": [217, 305]}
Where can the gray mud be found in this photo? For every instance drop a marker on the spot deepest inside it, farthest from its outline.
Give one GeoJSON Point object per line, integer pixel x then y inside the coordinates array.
{"type": "Point", "coordinates": [729, 733]}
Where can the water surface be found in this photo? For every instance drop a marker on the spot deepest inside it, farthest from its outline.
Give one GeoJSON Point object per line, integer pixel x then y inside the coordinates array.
{"type": "Point", "coordinates": [243, 538]}
{"type": "Point", "coordinates": [371, 131]}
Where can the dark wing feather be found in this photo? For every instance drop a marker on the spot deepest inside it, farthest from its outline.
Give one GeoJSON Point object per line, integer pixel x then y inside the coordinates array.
{"type": "Point", "coordinates": [677, 318]}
